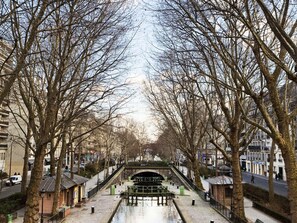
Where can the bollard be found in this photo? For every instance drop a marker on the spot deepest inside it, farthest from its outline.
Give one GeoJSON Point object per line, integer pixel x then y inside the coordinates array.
{"type": "Point", "coordinates": [193, 202]}
{"type": "Point", "coordinates": [92, 209]}
{"type": "Point", "coordinates": [211, 221]}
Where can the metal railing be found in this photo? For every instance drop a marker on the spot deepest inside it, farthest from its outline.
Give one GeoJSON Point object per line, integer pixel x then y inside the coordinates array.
{"type": "Point", "coordinates": [95, 190]}
{"type": "Point", "coordinates": [226, 212]}
{"type": "Point", "coordinates": [55, 219]}
{"type": "Point", "coordinates": [202, 194]}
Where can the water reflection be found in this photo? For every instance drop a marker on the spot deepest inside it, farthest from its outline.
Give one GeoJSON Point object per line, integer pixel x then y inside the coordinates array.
{"type": "Point", "coordinates": [147, 211]}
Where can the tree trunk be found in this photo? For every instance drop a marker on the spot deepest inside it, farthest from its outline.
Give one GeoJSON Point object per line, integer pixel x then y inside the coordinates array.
{"type": "Point", "coordinates": [291, 171]}
{"type": "Point", "coordinates": [33, 197]}
{"type": "Point", "coordinates": [106, 166]}
{"type": "Point", "coordinates": [237, 195]}
{"type": "Point", "coordinates": [53, 160]}
{"type": "Point", "coordinates": [189, 167]}
{"type": "Point", "coordinates": [270, 179]}
{"type": "Point", "coordinates": [26, 161]}
{"type": "Point", "coordinates": [79, 157]}
{"type": "Point", "coordinates": [72, 159]}
{"type": "Point", "coordinates": [198, 182]}
{"type": "Point", "coordinates": [59, 177]}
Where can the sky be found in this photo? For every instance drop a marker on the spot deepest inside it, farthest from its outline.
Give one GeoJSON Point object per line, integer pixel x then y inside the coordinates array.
{"type": "Point", "coordinates": [138, 107]}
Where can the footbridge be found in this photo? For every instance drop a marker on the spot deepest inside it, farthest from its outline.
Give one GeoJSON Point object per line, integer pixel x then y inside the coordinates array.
{"type": "Point", "coordinates": [147, 173]}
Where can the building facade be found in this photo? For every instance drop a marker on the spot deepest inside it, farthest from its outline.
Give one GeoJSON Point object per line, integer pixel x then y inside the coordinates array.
{"type": "Point", "coordinates": [256, 158]}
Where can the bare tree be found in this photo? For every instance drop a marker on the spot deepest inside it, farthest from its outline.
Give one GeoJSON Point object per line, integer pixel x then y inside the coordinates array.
{"type": "Point", "coordinates": [128, 141]}
{"type": "Point", "coordinates": [274, 95]}
{"type": "Point", "coordinates": [200, 45]}
{"type": "Point", "coordinates": [280, 17]}
{"type": "Point", "coordinates": [172, 96]}
{"type": "Point", "coordinates": [73, 69]}
{"type": "Point", "coordinates": [20, 25]}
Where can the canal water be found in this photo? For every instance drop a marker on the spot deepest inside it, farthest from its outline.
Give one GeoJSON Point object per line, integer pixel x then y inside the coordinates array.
{"type": "Point", "coordinates": [147, 211]}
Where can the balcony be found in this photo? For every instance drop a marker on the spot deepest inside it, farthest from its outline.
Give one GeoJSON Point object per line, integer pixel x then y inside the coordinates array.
{"type": "Point", "coordinates": [3, 135]}
{"type": "Point", "coordinates": [5, 102]}
{"type": "Point", "coordinates": [4, 112]}
{"type": "Point", "coordinates": [4, 123]}
{"type": "Point", "coordinates": [3, 146]}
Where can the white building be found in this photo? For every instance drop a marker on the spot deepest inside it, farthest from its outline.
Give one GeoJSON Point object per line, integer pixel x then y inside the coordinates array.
{"type": "Point", "coordinates": [256, 159]}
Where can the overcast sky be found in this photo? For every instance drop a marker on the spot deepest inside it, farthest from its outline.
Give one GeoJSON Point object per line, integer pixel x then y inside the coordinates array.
{"type": "Point", "coordinates": [140, 47]}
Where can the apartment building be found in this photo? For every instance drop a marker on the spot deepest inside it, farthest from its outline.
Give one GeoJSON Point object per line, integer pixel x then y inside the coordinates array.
{"type": "Point", "coordinates": [11, 136]}
{"type": "Point", "coordinates": [256, 158]}
{"type": "Point", "coordinates": [5, 67]}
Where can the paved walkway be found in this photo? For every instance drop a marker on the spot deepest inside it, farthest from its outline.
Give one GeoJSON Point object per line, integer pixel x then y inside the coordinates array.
{"type": "Point", "coordinates": [251, 213]}
{"type": "Point", "coordinates": [105, 205]}
{"type": "Point", "coordinates": [199, 212]}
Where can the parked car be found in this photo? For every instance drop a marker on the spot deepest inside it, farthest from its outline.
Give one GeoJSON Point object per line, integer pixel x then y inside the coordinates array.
{"type": "Point", "coordinates": [15, 179]}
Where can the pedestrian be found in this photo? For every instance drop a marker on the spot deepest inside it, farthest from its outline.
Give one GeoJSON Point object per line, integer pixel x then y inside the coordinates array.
{"type": "Point", "coordinates": [279, 177]}
{"type": "Point", "coordinates": [276, 176]}
{"type": "Point", "coordinates": [253, 179]}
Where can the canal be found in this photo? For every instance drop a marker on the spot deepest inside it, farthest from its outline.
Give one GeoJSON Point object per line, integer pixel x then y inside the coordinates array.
{"type": "Point", "coordinates": [147, 211]}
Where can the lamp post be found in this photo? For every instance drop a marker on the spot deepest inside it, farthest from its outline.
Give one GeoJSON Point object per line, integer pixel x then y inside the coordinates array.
{"type": "Point", "coordinates": [42, 193]}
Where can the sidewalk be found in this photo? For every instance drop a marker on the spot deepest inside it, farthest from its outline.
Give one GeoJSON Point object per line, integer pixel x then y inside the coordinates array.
{"type": "Point", "coordinates": [199, 212]}
{"type": "Point", "coordinates": [86, 209]}
{"type": "Point", "coordinates": [251, 213]}
{"type": "Point", "coordinates": [105, 205]}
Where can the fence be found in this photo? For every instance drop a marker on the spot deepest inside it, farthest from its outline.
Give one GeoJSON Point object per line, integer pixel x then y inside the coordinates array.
{"type": "Point", "coordinates": [95, 190]}
{"type": "Point", "coordinates": [226, 212]}
{"type": "Point", "coordinates": [202, 194]}
{"type": "Point", "coordinates": [57, 218]}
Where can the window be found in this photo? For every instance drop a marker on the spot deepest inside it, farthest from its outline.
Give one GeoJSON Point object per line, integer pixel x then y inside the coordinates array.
{"type": "Point", "coordinates": [2, 156]}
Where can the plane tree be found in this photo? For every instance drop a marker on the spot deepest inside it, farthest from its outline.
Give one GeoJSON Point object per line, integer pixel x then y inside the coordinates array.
{"type": "Point", "coordinates": [172, 96]}
{"type": "Point", "coordinates": [267, 36]}
{"type": "Point", "coordinates": [200, 44]}
{"type": "Point", "coordinates": [75, 66]}
{"type": "Point", "coordinates": [20, 24]}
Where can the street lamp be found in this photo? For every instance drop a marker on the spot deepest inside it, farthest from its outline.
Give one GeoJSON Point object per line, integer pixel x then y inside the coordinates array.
{"type": "Point", "coordinates": [42, 193]}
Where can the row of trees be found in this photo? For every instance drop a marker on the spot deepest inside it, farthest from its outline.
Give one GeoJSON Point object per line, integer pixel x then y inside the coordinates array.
{"type": "Point", "coordinates": [226, 69]}
{"type": "Point", "coordinates": [66, 61]}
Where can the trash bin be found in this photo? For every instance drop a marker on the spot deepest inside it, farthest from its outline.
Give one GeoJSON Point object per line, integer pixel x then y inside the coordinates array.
{"type": "Point", "coordinates": [181, 190]}
{"type": "Point", "coordinates": [92, 209]}
{"type": "Point", "coordinates": [193, 202]}
{"type": "Point", "coordinates": [112, 190]}
{"type": "Point", "coordinates": [9, 218]}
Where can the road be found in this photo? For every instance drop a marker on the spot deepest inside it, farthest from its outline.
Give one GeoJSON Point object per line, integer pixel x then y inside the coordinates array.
{"type": "Point", "coordinates": [280, 186]}
{"type": "Point", "coordinates": [7, 191]}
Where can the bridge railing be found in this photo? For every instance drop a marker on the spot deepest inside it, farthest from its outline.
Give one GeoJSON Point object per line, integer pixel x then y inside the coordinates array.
{"type": "Point", "coordinates": [226, 212]}
{"type": "Point", "coordinates": [94, 191]}
{"type": "Point", "coordinates": [147, 164]}
{"type": "Point", "coordinates": [201, 193]}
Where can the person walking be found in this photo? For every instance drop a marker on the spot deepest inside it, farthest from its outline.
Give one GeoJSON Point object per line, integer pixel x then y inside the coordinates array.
{"type": "Point", "coordinates": [252, 179]}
